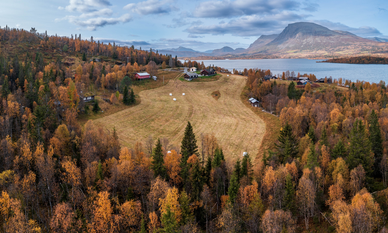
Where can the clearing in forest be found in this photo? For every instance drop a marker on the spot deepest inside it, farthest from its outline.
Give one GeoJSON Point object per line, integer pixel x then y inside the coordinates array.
{"type": "Point", "coordinates": [235, 126]}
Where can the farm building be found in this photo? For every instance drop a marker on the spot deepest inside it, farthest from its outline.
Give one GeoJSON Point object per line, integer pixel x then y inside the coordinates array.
{"type": "Point", "coordinates": [207, 72]}
{"type": "Point", "coordinates": [190, 76]}
{"type": "Point", "coordinates": [142, 75]}
{"type": "Point", "coordinates": [254, 102]}
{"type": "Point", "coordinates": [193, 69]}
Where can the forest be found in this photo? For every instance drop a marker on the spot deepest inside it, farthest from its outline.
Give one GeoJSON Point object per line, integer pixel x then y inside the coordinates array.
{"type": "Point", "coordinates": [359, 60]}
{"type": "Point", "coordinates": [326, 172]}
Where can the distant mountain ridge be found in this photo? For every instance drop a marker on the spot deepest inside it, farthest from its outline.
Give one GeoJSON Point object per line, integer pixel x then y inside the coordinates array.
{"type": "Point", "coordinates": [298, 40]}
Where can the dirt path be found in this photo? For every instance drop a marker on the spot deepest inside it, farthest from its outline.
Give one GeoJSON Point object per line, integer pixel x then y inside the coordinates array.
{"type": "Point", "coordinates": [236, 127]}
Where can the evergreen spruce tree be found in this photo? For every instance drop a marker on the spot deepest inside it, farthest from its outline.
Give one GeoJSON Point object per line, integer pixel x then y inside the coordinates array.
{"type": "Point", "coordinates": [184, 202]}
{"type": "Point", "coordinates": [324, 140]}
{"type": "Point", "coordinates": [218, 158]}
{"type": "Point", "coordinates": [360, 149]}
{"type": "Point", "coordinates": [5, 88]}
{"type": "Point", "coordinates": [169, 222]}
{"type": "Point", "coordinates": [208, 169]}
{"type": "Point", "coordinates": [96, 107]}
{"type": "Point", "coordinates": [311, 135]}
{"type": "Point", "coordinates": [143, 228]}
{"type": "Point", "coordinates": [246, 167]}
{"type": "Point", "coordinates": [196, 181]}
{"type": "Point", "coordinates": [289, 197]}
{"type": "Point", "coordinates": [339, 150]}
{"type": "Point", "coordinates": [291, 91]}
{"type": "Point", "coordinates": [188, 148]}
{"type": "Point", "coordinates": [83, 57]}
{"type": "Point", "coordinates": [126, 99]}
{"type": "Point", "coordinates": [233, 188]}
{"type": "Point", "coordinates": [100, 174]}
{"type": "Point", "coordinates": [237, 170]}
{"type": "Point", "coordinates": [312, 158]}
{"type": "Point", "coordinates": [376, 140]}
{"type": "Point", "coordinates": [132, 97]}
{"type": "Point", "coordinates": [114, 56]}
{"type": "Point", "coordinates": [158, 161]}
{"type": "Point", "coordinates": [130, 194]}
{"type": "Point", "coordinates": [287, 147]}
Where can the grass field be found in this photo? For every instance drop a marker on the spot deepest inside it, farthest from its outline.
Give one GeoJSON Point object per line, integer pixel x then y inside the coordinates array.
{"type": "Point", "coordinates": [235, 126]}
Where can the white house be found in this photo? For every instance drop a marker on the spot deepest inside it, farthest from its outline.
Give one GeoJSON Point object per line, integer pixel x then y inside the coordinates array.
{"type": "Point", "coordinates": [193, 69]}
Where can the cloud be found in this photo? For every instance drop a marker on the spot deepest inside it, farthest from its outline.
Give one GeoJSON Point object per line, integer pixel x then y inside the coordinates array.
{"type": "Point", "coordinates": [151, 7]}
{"type": "Point", "coordinates": [194, 36]}
{"type": "Point", "coordinates": [310, 5]}
{"type": "Point", "coordinates": [229, 9]}
{"type": "Point", "coordinates": [85, 5]}
{"type": "Point", "coordinates": [94, 14]}
{"type": "Point", "coordinates": [252, 25]}
{"type": "Point", "coordinates": [364, 31]}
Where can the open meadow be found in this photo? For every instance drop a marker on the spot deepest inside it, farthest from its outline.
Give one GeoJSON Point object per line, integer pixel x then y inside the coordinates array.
{"type": "Point", "coordinates": [235, 126]}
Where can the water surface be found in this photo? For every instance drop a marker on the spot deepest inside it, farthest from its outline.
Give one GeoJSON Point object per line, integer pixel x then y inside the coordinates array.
{"type": "Point", "coordinates": [354, 72]}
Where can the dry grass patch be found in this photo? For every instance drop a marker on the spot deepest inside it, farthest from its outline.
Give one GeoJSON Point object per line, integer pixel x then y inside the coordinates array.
{"type": "Point", "coordinates": [216, 95]}
{"type": "Point", "coordinates": [233, 124]}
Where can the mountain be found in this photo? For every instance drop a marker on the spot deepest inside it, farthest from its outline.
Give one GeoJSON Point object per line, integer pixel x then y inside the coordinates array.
{"type": "Point", "coordinates": [261, 42]}
{"type": "Point", "coordinates": [187, 52]}
{"type": "Point", "coordinates": [182, 49]}
{"type": "Point", "coordinates": [378, 39]}
{"type": "Point", "coordinates": [311, 40]}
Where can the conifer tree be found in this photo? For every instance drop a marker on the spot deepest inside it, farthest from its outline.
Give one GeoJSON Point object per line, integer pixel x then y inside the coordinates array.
{"type": "Point", "coordinates": [83, 57]}
{"type": "Point", "coordinates": [292, 91]}
{"type": "Point", "coordinates": [169, 222]}
{"type": "Point", "coordinates": [196, 181]}
{"type": "Point", "coordinates": [233, 188]}
{"type": "Point", "coordinates": [158, 161]}
{"type": "Point", "coordinates": [312, 158]}
{"type": "Point", "coordinates": [5, 88]}
{"type": "Point", "coordinates": [96, 107]}
{"type": "Point", "coordinates": [208, 169]}
{"type": "Point", "coordinates": [132, 97]}
{"type": "Point", "coordinates": [143, 226]}
{"type": "Point", "coordinates": [289, 197]}
{"type": "Point", "coordinates": [184, 202]}
{"type": "Point", "coordinates": [324, 140]}
{"type": "Point", "coordinates": [218, 158]}
{"type": "Point", "coordinates": [287, 147]}
{"type": "Point", "coordinates": [126, 99]}
{"type": "Point", "coordinates": [100, 175]}
{"type": "Point", "coordinates": [360, 149]}
{"type": "Point", "coordinates": [311, 134]}
{"type": "Point", "coordinates": [188, 148]}
{"type": "Point", "coordinates": [237, 170]}
{"type": "Point", "coordinates": [375, 139]}
{"type": "Point", "coordinates": [339, 150]}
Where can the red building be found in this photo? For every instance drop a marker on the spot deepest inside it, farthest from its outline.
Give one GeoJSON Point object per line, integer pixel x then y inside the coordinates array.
{"type": "Point", "coordinates": [142, 75]}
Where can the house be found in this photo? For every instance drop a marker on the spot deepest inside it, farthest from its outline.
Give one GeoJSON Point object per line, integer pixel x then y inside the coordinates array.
{"type": "Point", "coordinates": [254, 102]}
{"type": "Point", "coordinates": [321, 80]}
{"type": "Point", "coordinates": [142, 75]}
{"type": "Point", "coordinates": [207, 72]}
{"type": "Point", "coordinates": [190, 76]}
{"type": "Point", "coordinates": [193, 69]}
{"type": "Point", "coordinates": [88, 99]}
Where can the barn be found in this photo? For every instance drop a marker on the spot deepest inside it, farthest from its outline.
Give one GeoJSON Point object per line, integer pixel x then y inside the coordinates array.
{"type": "Point", "coordinates": [208, 72]}
{"type": "Point", "coordinates": [142, 75]}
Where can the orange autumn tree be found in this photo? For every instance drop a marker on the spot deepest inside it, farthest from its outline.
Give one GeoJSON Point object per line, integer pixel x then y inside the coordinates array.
{"type": "Point", "coordinates": [171, 202]}
{"type": "Point", "coordinates": [172, 165]}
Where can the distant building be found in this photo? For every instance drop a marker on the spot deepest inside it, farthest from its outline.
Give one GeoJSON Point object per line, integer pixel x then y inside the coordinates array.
{"type": "Point", "coordinates": [190, 76]}
{"type": "Point", "coordinates": [207, 72]}
{"type": "Point", "coordinates": [88, 99]}
{"type": "Point", "coordinates": [144, 75]}
{"type": "Point", "coordinates": [254, 102]}
{"type": "Point", "coordinates": [193, 69]}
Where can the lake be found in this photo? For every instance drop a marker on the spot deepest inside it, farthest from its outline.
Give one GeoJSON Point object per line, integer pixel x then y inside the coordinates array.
{"type": "Point", "coordinates": [354, 72]}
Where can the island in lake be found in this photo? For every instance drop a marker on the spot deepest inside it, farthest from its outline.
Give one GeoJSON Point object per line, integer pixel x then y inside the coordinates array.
{"type": "Point", "coordinates": [359, 60]}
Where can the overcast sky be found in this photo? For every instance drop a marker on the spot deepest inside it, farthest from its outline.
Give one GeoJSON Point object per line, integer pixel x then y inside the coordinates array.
{"type": "Point", "coordinates": [196, 24]}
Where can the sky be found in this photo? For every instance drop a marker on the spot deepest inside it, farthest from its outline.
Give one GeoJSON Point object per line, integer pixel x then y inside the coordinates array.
{"type": "Point", "coordinates": [197, 24]}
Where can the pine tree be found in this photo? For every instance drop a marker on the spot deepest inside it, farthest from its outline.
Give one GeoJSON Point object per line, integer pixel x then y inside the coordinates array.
{"type": "Point", "coordinates": [96, 107]}
{"type": "Point", "coordinates": [158, 161]}
{"type": "Point", "coordinates": [126, 99]}
{"type": "Point", "coordinates": [143, 228]}
{"type": "Point", "coordinates": [312, 158]}
{"type": "Point", "coordinates": [246, 167]}
{"type": "Point", "coordinates": [360, 149]}
{"type": "Point", "coordinates": [376, 140]}
{"type": "Point", "coordinates": [208, 169]}
{"type": "Point", "coordinates": [287, 147]}
{"type": "Point", "coordinates": [339, 150]}
{"type": "Point", "coordinates": [188, 148]}
{"type": "Point", "coordinates": [83, 57]}
{"type": "Point", "coordinates": [233, 188]}
{"type": "Point", "coordinates": [196, 181]}
{"type": "Point", "coordinates": [132, 97]}
{"type": "Point", "coordinates": [291, 91]}
{"type": "Point", "coordinates": [184, 202]}
{"type": "Point", "coordinates": [289, 197]}
{"type": "Point", "coordinates": [5, 88]}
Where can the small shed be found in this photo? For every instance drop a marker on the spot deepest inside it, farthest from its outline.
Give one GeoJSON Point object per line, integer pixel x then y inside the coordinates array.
{"type": "Point", "coordinates": [154, 78]}
{"type": "Point", "coordinates": [144, 75]}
